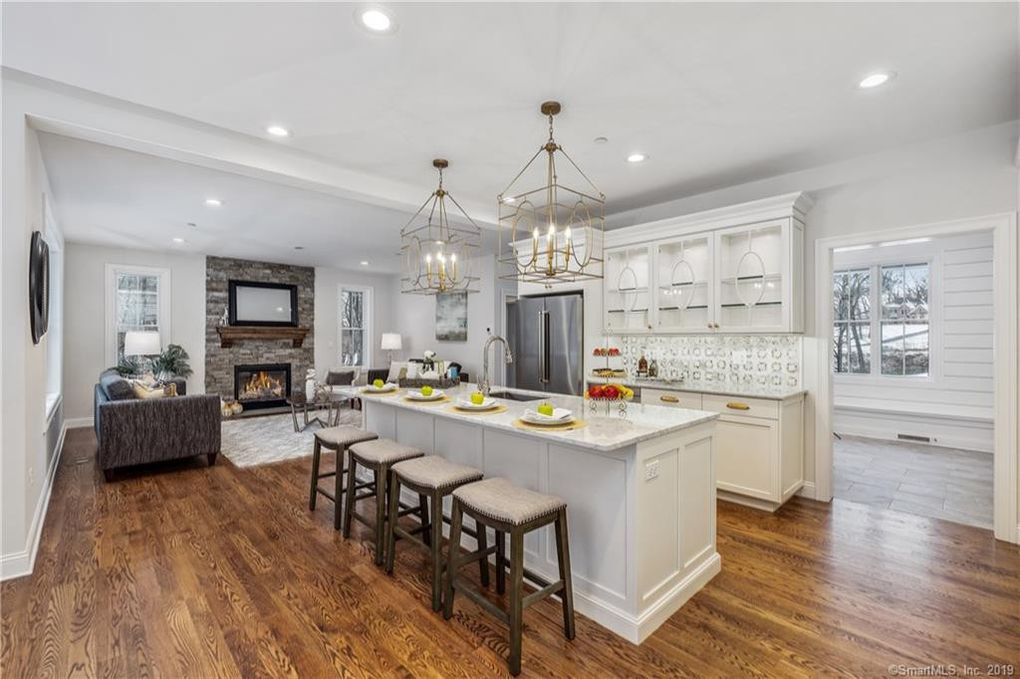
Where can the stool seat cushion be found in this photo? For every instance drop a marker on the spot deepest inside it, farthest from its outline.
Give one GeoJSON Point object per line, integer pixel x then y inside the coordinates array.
{"type": "Point", "coordinates": [436, 472]}
{"type": "Point", "coordinates": [339, 437]}
{"type": "Point", "coordinates": [384, 451]}
{"type": "Point", "coordinates": [500, 500]}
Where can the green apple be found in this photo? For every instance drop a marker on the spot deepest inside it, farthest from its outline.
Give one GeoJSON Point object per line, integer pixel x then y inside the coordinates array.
{"type": "Point", "coordinates": [545, 409]}
{"type": "Point", "coordinates": [426, 390]}
{"type": "Point", "coordinates": [378, 384]}
{"type": "Point", "coordinates": [478, 398]}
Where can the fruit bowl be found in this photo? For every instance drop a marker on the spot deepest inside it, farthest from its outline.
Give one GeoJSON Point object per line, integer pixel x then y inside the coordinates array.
{"type": "Point", "coordinates": [609, 392]}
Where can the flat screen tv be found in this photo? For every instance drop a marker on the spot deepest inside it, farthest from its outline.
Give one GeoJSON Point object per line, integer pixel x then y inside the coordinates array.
{"type": "Point", "coordinates": [256, 303]}
{"type": "Point", "coordinates": [39, 286]}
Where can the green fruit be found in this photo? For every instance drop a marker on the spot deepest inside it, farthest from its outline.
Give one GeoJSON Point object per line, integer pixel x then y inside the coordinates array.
{"type": "Point", "coordinates": [378, 384]}
{"type": "Point", "coordinates": [478, 398]}
{"type": "Point", "coordinates": [426, 390]}
{"type": "Point", "coordinates": [545, 409]}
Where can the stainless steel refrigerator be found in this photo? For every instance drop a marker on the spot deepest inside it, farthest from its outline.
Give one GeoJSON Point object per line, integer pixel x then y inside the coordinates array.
{"type": "Point", "coordinates": [546, 335]}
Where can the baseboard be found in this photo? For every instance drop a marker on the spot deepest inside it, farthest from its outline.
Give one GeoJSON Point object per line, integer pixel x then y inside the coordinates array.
{"type": "Point", "coordinates": [671, 602]}
{"type": "Point", "coordinates": [78, 422]}
{"type": "Point", "coordinates": [21, 563]}
{"type": "Point", "coordinates": [808, 490]}
{"type": "Point", "coordinates": [945, 432]}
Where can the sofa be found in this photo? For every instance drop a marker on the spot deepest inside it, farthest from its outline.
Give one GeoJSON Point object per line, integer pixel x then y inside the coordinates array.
{"type": "Point", "coordinates": [133, 431]}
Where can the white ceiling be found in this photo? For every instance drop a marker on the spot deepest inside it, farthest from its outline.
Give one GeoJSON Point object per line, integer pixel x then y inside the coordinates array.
{"type": "Point", "coordinates": [716, 94]}
{"type": "Point", "coordinates": [109, 196]}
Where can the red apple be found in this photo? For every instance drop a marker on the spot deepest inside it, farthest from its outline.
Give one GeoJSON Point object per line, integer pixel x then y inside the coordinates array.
{"type": "Point", "coordinates": [611, 393]}
{"type": "Point", "coordinates": [595, 391]}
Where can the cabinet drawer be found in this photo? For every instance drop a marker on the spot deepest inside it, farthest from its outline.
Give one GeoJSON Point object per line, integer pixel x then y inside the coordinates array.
{"type": "Point", "coordinates": [741, 405]}
{"type": "Point", "coordinates": [673, 399]}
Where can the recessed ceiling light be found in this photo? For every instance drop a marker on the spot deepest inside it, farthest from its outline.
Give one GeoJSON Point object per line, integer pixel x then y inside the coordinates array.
{"type": "Point", "coordinates": [178, 240]}
{"type": "Point", "coordinates": [213, 202]}
{"type": "Point", "coordinates": [875, 79]}
{"type": "Point", "coordinates": [601, 140]}
{"type": "Point", "coordinates": [364, 262]}
{"type": "Point", "coordinates": [376, 20]}
{"type": "Point", "coordinates": [637, 158]}
{"type": "Point", "coordinates": [278, 131]}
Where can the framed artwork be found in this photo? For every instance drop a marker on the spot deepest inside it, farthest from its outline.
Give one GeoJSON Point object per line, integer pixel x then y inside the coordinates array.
{"type": "Point", "coordinates": [451, 316]}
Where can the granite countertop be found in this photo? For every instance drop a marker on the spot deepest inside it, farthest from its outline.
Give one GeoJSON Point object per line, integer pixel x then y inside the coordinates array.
{"type": "Point", "coordinates": [603, 433]}
{"type": "Point", "coordinates": [750, 391]}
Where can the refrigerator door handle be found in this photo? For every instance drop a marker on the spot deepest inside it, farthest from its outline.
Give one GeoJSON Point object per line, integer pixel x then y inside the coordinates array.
{"type": "Point", "coordinates": [546, 379]}
{"type": "Point", "coordinates": [541, 347]}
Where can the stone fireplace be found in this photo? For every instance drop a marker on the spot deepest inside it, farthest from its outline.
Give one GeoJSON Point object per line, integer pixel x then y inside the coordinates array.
{"type": "Point", "coordinates": [262, 385]}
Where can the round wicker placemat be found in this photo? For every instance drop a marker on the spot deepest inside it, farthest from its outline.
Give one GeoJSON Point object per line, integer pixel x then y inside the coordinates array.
{"type": "Point", "coordinates": [436, 401]}
{"type": "Point", "coordinates": [366, 392]}
{"type": "Point", "coordinates": [500, 408]}
{"type": "Point", "coordinates": [576, 424]}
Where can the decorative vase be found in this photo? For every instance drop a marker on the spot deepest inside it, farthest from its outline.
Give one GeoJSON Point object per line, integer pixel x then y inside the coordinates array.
{"type": "Point", "coordinates": [310, 384]}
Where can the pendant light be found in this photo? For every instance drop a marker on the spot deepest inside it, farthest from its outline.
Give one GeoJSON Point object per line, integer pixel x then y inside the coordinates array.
{"type": "Point", "coordinates": [436, 253]}
{"type": "Point", "coordinates": [553, 233]}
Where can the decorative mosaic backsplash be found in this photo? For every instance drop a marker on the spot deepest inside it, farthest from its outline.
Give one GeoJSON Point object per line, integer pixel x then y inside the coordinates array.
{"type": "Point", "coordinates": [723, 360]}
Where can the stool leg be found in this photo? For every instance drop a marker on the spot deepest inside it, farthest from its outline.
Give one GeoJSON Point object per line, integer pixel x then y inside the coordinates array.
{"type": "Point", "coordinates": [500, 562]}
{"type": "Point", "coordinates": [338, 488]}
{"type": "Point", "coordinates": [563, 557]}
{"type": "Point", "coordinates": [516, 599]}
{"type": "Point", "coordinates": [391, 523]}
{"type": "Point", "coordinates": [316, 456]}
{"type": "Point", "coordinates": [382, 493]}
{"type": "Point", "coordinates": [451, 563]}
{"type": "Point", "coordinates": [423, 516]}
{"type": "Point", "coordinates": [436, 546]}
{"type": "Point", "coordinates": [352, 476]}
{"type": "Point", "coordinates": [483, 543]}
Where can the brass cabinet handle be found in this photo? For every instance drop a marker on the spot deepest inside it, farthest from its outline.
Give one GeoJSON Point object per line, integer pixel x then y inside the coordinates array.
{"type": "Point", "coordinates": [737, 405]}
{"type": "Point", "coordinates": [669, 399]}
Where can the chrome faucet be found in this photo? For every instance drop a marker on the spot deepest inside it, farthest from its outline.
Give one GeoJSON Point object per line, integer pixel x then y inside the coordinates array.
{"type": "Point", "coordinates": [484, 386]}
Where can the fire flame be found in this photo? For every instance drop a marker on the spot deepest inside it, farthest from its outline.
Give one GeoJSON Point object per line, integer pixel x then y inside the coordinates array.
{"type": "Point", "coordinates": [262, 385]}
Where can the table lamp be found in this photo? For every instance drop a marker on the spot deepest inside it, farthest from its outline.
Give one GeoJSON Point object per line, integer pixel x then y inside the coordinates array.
{"type": "Point", "coordinates": [391, 342]}
{"type": "Point", "coordinates": [142, 343]}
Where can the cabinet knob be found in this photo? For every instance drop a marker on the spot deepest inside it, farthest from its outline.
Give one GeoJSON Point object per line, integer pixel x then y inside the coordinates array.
{"type": "Point", "coordinates": [669, 399]}
{"type": "Point", "coordinates": [709, 326]}
{"type": "Point", "coordinates": [737, 405]}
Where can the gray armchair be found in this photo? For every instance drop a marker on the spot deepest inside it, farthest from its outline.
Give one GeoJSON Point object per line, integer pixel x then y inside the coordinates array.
{"type": "Point", "coordinates": [134, 431]}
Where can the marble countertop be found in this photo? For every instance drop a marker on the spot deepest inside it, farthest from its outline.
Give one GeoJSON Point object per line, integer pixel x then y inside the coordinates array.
{"type": "Point", "coordinates": [750, 390]}
{"type": "Point", "coordinates": [603, 433]}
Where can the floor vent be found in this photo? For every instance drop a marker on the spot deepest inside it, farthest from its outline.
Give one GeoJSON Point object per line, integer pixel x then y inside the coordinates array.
{"type": "Point", "coordinates": [911, 437]}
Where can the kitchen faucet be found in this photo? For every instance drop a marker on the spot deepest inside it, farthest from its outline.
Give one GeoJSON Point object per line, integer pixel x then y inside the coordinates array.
{"type": "Point", "coordinates": [484, 386]}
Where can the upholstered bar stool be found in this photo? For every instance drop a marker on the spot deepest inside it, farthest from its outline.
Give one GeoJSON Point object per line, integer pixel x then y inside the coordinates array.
{"type": "Point", "coordinates": [509, 509]}
{"type": "Point", "coordinates": [434, 477]}
{"type": "Point", "coordinates": [337, 439]}
{"type": "Point", "coordinates": [378, 456]}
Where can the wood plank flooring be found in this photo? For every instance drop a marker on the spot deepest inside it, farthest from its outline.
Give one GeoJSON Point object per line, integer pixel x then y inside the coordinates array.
{"type": "Point", "coordinates": [186, 571]}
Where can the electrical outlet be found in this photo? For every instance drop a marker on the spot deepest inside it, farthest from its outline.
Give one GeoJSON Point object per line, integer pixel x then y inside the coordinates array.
{"type": "Point", "coordinates": [31, 476]}
{"type": "Point", "coordinates": [651, 470]}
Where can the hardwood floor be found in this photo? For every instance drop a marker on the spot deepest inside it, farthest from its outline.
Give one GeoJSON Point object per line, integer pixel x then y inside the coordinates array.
{"type": "Point", "coordinates": [186, 571]}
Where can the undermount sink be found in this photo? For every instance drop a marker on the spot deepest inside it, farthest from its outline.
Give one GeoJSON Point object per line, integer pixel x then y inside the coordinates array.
{"type": "Point", "coordinates": [514, 396]}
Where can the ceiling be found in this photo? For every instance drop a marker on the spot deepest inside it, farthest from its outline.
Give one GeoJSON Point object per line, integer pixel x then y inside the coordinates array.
{"type": "Point", "coordinates": [109, 196]}
{"type": "Point", "coordinates": [715, 94]}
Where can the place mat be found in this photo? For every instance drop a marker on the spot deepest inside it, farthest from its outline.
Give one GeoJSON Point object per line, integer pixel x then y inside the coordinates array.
{"type": "Point", "coordinates": [435, 401]}
{"type": "Point", "coordinates": [500, 408]}
{"type": "Point", "coordinates": [366, 392]}
{"type": "Point", "coordinates": [576, 424]}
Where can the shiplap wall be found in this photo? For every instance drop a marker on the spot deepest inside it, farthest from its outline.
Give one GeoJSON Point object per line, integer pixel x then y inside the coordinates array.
{"type": "Point", "coordinates": [953, 406]}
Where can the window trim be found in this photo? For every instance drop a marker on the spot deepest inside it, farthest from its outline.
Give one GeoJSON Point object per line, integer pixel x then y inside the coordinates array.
{"type": "Point", "coordinates": [874, 266]}
{"type": "Point", "coordinates": [367, 318]}
{"type": "Point", "coordinates": [164, 297]}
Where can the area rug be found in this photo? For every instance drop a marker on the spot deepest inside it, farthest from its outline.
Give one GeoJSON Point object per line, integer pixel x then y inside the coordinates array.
{"type": "Point", "coordinates": [253, 441]}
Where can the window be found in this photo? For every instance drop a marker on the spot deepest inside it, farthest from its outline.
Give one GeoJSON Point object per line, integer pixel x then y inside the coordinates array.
{"type": "Point", "coordinates": [905, 319]}
{"type": "Point", "coordinates": [900, 295]}
{"type": "Point", "coordinates": [355, 326]}
{"type": "Point", "coordinates": [851, 313]}
{"type": "Point", "coordinates": [137, 299]}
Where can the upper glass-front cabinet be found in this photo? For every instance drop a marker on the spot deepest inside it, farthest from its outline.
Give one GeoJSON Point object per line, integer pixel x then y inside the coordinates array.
{"type": "Point", "coordinates": [754, 277]}
{"type": "Point", "coordinates": [684, 285]}
{"type": "Point", "coordinates": [627, 286]}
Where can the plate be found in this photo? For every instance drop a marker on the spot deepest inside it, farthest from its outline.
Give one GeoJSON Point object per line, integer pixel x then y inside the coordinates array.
{"type": "Point", "coordinates": [487, 404]}
{"type": "Point", "coordinates": [418, 396]}
{"type": "Point", "coordinates": [372, 389]}
{"type": "Point", "coordinates": [559, 416]}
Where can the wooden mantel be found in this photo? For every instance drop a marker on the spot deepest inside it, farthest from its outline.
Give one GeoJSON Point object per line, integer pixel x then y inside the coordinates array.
{"type": "Point", "coordinates": [232, 333]}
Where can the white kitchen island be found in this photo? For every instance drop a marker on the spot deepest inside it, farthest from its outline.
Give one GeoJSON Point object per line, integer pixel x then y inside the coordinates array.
{"type": "Point", "coordinates": [640, 493]}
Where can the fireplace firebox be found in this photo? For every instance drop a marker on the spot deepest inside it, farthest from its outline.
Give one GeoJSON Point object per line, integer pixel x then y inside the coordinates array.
{"type": "Point", "coordinates": [262, 386]}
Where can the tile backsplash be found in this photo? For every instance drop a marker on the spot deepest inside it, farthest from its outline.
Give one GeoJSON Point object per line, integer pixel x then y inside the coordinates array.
{"type": "Point", "coordinates": [718, 360]}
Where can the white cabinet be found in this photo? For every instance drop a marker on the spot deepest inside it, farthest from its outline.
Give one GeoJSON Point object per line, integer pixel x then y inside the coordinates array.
{"type": "Point", "coordinates": [733, 270]}
{"type": "Point", "coordinates": [671, 399]}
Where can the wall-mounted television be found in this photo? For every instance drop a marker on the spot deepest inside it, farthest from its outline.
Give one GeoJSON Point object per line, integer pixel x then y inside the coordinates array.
{"type": "Point", "coordinates": [257, 303]}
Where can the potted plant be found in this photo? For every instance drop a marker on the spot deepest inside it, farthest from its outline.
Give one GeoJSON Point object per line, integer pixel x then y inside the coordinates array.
{"type": "Point", "coordinates": [173, 362]}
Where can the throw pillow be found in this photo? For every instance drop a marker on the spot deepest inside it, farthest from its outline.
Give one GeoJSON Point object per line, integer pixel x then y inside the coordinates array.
{"type": "Point", "coordinates": [398, 371]}
{"type": "Point", "coordinates": [142, 391]}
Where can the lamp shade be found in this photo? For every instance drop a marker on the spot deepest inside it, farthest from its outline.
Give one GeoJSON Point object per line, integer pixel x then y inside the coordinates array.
{"type": "Point", "coordinates": [141, 343]}
{"type": "Point", "coordinates": [391, 341]}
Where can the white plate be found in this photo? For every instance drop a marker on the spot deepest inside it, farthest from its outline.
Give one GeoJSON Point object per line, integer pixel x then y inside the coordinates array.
{"type": "Point", "coordinates": [372, 389]}
{"type": "Point", "coordinates": [559, 416]}
{"type": "Point", "coordinates": [418, 396]}
{"type": "Point", "coordinates": [487, 404]}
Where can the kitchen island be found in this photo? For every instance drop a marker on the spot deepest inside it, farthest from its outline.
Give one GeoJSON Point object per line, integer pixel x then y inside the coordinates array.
{"type": "Point", "coordinates": [640, 493]}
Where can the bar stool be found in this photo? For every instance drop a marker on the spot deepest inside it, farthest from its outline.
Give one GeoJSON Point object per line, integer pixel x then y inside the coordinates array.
{"type": "Point", "coordinates": [435, 478]}
{"type": "Point", "coordinates": [378, 455]}
{"type": "Point", "coordinates": [337, 439]}
{"type": "Point", "coordinates": [507, 508]}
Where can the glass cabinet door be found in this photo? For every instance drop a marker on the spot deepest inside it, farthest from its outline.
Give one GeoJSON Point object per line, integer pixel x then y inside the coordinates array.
{"type": "Point", "coordinates": [683, 290]}
{"type": "Point", "coordinates": [626, 286]}
{"type": "Point", "coordinates": [751, 277]}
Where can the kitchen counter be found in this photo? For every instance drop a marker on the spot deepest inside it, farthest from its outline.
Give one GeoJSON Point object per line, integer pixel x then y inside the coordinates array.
{"type": "Point", "coordinates": [640, 492]}
{"type": "Point", "coordinates": [780, 393]}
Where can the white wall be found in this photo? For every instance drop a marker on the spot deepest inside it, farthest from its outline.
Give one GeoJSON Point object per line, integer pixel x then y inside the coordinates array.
{"type": "Point", "coordinates": [85, 317]}
{"type": "Point", "coordinates": [965, 175]}
{"type": "Point", "coordinates": [954, 404]}
{"type": "Point", "coordinates": [327, 305]}
{"type": "Point", "coordinates": [25, 431]}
